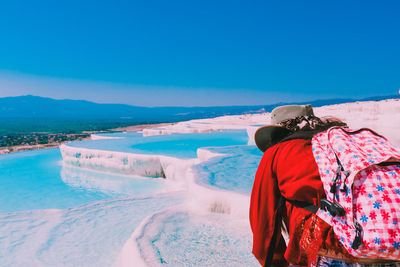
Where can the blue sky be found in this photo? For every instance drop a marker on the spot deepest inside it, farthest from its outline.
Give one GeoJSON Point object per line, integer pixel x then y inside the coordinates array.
{"type": "Point", "coordinates": [199, 53]}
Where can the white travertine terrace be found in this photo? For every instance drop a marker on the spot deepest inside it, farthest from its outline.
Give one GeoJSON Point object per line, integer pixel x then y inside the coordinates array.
{"type": "Point", "coordinates": [382, 116]}
{"type": "Point", "coordinates": [101, 137]}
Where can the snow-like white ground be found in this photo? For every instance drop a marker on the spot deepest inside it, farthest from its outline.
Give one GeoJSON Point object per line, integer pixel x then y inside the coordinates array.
{"type": "Point", "coordinates": [201, 221]}
{"type": "Point", "coordinates": [185, 238]}
{"type": "Point", "coordinates": [88, 235]}
{"type": "Point", "coordinates": [381, 116]}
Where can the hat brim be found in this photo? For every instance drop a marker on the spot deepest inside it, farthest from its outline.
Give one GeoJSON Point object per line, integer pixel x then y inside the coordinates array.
{"type": "Point", "coordinates": [268, 136]}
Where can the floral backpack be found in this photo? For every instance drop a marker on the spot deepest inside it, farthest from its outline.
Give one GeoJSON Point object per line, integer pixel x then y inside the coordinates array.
{"type": "Point", "coordinates": [360, 172]}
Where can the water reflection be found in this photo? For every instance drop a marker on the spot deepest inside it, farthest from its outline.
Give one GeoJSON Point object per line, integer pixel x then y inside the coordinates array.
{"type": "Point", "coordinates": [110, 184]}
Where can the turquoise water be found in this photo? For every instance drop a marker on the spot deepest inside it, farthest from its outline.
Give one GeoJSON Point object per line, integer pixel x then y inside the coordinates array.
{"type": "Point", "coordinates": [175, 145]}
{"type": "Point", "coordinates": [56, 215]}
{"type": "Point", "coordinates": [91, 235]}
{"type": "Point", "coordinates": [183, 238]}
{"type": "Point", "coordinates": [234, 171]}
{"type": "Point", "coordinates": [36, 180]}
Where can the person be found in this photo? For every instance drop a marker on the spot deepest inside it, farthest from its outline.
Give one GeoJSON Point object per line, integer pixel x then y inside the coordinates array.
{"type": "Point", "coordinates": [288, 171]}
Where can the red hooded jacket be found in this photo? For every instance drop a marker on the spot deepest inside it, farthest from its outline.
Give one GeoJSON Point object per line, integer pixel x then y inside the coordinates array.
{"type": "Point", "coordinates": [289, 169]}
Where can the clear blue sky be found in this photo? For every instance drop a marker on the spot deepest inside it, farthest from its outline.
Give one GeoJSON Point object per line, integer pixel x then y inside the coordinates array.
{"type": "Point", "coordinates": [199, 53]}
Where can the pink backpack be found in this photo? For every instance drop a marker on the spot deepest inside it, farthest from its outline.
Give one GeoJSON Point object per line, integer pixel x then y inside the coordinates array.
{"type": "Point", "coordinates": [360, 172]}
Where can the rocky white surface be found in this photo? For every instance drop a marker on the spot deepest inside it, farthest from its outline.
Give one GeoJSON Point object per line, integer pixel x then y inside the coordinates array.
{"type": "Point", "coordinates": [199, 218]}
{"type": "Point", "coordinates": [381, 116]}
{"type": "Point", "coordinates": [215, 205]}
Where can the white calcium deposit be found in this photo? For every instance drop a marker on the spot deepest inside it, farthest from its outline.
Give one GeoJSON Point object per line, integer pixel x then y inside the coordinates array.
{"type": "Point", "coordinates": [381, 116]}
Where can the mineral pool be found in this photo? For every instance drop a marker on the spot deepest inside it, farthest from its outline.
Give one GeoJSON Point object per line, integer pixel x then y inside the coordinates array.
{"type": "Point", "coordinates": [53, 214]}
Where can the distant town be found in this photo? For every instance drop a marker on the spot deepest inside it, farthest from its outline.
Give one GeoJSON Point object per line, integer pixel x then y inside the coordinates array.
{"type": "Point", "coordinates": [21, 142]}
{"type": "Point", "coordinates": [16, 142]}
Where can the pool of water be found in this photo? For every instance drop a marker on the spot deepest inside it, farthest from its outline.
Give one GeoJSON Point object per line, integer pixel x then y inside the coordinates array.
{"type": "Point", "coordinates": [37, 180]}
{"type": "Point", "coordinates": [175, 145]}
{"type": "Point", "coordinates": [88, 235]}
{"type": "Point", "coordinates": [57, 215]}
{"type": "Point", "coordinates": [234, 171]}
{"type": "Point", "coordinates": [183, 238]}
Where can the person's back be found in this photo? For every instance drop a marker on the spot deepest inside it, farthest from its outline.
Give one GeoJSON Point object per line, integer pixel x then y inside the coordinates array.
{"type": "Point", "coordinates": [288, 169]}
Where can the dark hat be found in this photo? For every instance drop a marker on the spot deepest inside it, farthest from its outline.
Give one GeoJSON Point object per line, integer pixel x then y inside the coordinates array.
{"type": "Point", "coordinates": [269, 135]}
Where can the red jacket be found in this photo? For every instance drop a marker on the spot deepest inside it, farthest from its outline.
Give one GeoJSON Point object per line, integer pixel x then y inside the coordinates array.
{"type": "Point", "coordinates": [289, 168]}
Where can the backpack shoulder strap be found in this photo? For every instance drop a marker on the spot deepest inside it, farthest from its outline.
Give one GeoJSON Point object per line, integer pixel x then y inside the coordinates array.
{"type": "Point", "coordinates": [278, 219]}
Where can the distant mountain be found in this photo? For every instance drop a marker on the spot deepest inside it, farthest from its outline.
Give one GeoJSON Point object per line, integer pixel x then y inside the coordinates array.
{"type": "Point", "coordinates": [27, 114]}
{"type": "Point", "coordinates": [41, 107]}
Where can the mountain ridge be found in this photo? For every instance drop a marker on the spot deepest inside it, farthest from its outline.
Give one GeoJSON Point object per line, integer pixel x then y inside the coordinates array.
{"type": "Point", "coordinates": [35, 114]}
{"type": "Point", "coordinates": [30, 106]}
